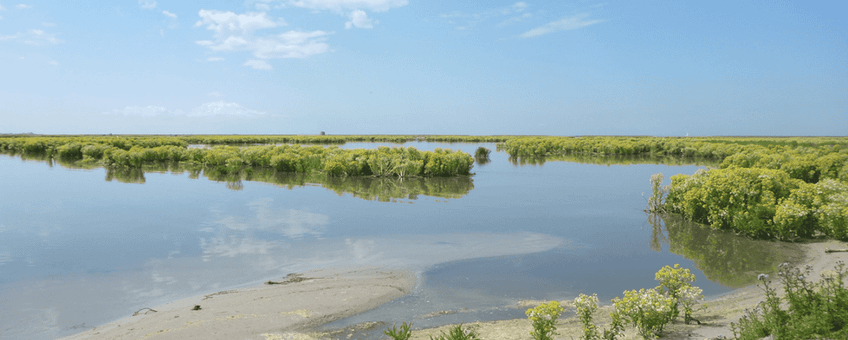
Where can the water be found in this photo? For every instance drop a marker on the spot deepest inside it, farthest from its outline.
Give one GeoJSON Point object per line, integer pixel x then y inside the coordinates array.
{"type": "Point", "coordinates": [77, 251]}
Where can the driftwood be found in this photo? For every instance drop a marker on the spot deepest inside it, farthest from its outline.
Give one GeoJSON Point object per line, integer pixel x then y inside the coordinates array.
{"type": "Point", "coordinates": [291, 278]}
{"type": "Point", "coordinates": [828, 250]}
{"type": "Point", "coordinates": [148, 310]}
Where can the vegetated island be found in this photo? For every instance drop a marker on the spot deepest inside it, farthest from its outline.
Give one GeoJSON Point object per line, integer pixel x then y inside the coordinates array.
{"type": "Point", "coordinates": [776, 188]}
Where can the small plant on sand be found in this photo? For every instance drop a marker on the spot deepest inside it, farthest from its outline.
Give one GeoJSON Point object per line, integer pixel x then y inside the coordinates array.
{"type": "Point", "coordinates": [456, 333]}
{"type": "Point", "coordinates": [399, 334]}
{"type": "Point", "coordinates": [586, 306]}
{"type": "Point", "coordinates": [813, 310]}
{"type": "Point", "coordinates": [676, 282]}
{"type": "Point", "coordinates": [647, 309]}
{"type": "Point", "coordinates": [543, 317]}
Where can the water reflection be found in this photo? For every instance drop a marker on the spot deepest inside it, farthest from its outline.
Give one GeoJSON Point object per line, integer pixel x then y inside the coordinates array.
{"type": "Point", "coordinates": [614, 159]}
{"type": "Point", "coordinates": [367, 188]}
{"type": "Point", "coordinates": [726, 258]}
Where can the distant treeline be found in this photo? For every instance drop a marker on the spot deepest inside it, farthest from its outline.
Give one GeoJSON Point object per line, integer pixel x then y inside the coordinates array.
{"type": "Point", "coordinates": [134, 152]}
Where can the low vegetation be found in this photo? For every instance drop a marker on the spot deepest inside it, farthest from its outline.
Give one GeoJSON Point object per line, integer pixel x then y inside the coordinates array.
{"type": "Point", "coordinates": [807, 310]}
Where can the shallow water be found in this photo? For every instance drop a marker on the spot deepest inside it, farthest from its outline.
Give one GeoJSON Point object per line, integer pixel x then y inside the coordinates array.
{"type": "Point", "coordinates": [77, 251]}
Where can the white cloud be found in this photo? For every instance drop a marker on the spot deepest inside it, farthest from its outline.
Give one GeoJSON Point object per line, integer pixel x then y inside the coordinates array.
{"type": "Point", "coordinates": [234, 32]}
{"type": "Point", "coordinates": [10, 37]}
{"type": "Point", "coordinates": [515, 12]}
{"type": "Point", "coordinates": [215, 94]}
{"type": "Point", "coordinates": [23, 6]}
{"type": "Point", "coordinates": [359, 19]}
{"type": "Point", "coordinates": [348, 5]}
{"type": "Point", "coordinates": [258, 64]}
{"type": "Point", "coordinates": [169, 14]}
{"type": "Point", "coordinates": [214, 59]}
{"type": "Point", "coordinates": [570, 23]}
{"type": "Point", "coordinates": [263, 7]}
{"type": "Point", "coordinates": [147, 4]}
{"type": "Point", "coordinates": [54, 63]}
{"type": "Point", "coordinates": [2, 9]}
{"type": "Point", "coordinates": [221, 108]}
{"type": "Point", "coordinates": [227, 23]}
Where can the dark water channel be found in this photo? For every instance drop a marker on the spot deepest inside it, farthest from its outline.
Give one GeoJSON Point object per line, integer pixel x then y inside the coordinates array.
{"type": "Point", "coordinates": [77, 251]}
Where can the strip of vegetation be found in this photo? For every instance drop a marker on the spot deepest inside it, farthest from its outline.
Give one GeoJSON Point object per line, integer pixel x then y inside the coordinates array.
{"type": "Point", "coordinates": [133, 152]}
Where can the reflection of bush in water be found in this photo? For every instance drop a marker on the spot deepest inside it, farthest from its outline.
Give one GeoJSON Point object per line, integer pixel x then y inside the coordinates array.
{"type": "Point", "coordinates": [729, 259]}
{"type": "Point", "coordinates": [125, 175]}
{"type": "Point", "coordinates": [369, 188]}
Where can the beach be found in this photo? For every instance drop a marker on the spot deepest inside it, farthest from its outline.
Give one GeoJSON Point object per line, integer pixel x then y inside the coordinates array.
{"type": "Point", "coordinates": [279, 310]}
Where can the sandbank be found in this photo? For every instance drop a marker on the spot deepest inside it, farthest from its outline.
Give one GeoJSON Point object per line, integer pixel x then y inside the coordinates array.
{"type": "Point", "coordinates": [292, 304]}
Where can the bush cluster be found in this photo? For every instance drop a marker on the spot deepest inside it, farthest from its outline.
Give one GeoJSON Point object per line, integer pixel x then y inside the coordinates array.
{"type": "Point", "coordinates": [807, 310]}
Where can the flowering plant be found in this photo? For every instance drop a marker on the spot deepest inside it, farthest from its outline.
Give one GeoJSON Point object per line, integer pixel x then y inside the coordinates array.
{"type": "Point", "coordinates": [543, 317]}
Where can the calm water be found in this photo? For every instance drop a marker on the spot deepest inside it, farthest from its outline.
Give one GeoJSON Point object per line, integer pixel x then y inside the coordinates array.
{"type": "Point", "coordinates": [79, 248]}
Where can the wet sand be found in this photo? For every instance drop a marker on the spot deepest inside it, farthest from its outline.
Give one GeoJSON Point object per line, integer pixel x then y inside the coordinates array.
{"type": "Point", "coordinates": [293, 304]}
{"type": "Point", "coordinates": [299, 304]}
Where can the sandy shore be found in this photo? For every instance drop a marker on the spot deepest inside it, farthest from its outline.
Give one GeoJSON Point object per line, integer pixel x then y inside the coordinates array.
{"type": "Point", "coordinates": [298, 302]}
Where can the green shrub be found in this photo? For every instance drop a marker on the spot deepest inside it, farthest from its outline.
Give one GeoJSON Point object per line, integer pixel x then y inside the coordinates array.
{"type": "Point", "coordinates": [647, 309]}
{"type": "Point", "coordinates": [456, 333]}
{"type": "Point", "coordinates": [813, 310]}
{"type": "Point", "coordinates": [543, 318]}
{"type": "Point", "coordinates": [399, 334]}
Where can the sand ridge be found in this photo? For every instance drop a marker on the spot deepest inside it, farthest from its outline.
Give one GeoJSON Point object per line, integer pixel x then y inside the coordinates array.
{"type": "Point", "coordinates": [296, 303]}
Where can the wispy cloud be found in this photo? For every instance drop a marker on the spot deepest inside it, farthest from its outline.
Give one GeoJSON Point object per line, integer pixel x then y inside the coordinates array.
{"type": "Point", "coordinates": [346, 5]}
{"type": "Point", "coordinates": [464, 21]}
{"type": "Point", "coordinates": [214, 59]}
{"type": "Point", "coordinates": [565, 24]}
{"type": "Point", "coordinates": [353, 10]}
{"type": "Point", "coordinates": [234, 32]}
{"type": "Point", "coordinates": [169, 14]}
{"type": "Point", "coordinates": [258, 64]}
{"type": "Point", "coordinates": [219, 108]}
{"type": "Point", "coordinates": [54, 63]}
{"type": "Point", "coordinates": [147, 4]}
{"type": "Point", "coordinates": [33, 37]}
{"type": "Point", "coordinates": [23, 6]}
{"type": "Point", "coordinates": [2, 8]}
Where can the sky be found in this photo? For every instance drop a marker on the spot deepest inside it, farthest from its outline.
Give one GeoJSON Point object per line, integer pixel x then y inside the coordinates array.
{"type": "Point", "coordinates": [661, 68]}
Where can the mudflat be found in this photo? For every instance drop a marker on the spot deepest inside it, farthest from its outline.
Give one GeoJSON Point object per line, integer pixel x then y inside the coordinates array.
{"type": "Point", "coordinates": [278, 309]}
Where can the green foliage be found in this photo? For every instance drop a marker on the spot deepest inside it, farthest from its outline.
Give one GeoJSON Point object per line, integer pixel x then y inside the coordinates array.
{"type": "Point", "coordinates": [543, 318]}
{"type": "Point", "coordinates": [647, 309]}
{"type": "Point", "coordinates": [813, 310]}
{"type": "Point", "coordinates": [399, 334]}
{"type": "Point", "coordinates": [658, 192]}
{"type": "Point", "coordinates": [586, 306]}
{"type": "Point", "coordinates": [456, 333]}
{"type": "Point", "coordinates": [677, 282]}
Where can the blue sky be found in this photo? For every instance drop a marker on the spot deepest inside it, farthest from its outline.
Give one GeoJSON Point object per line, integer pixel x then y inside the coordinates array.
{"type": "Point", "coordinates": [424, 67]}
